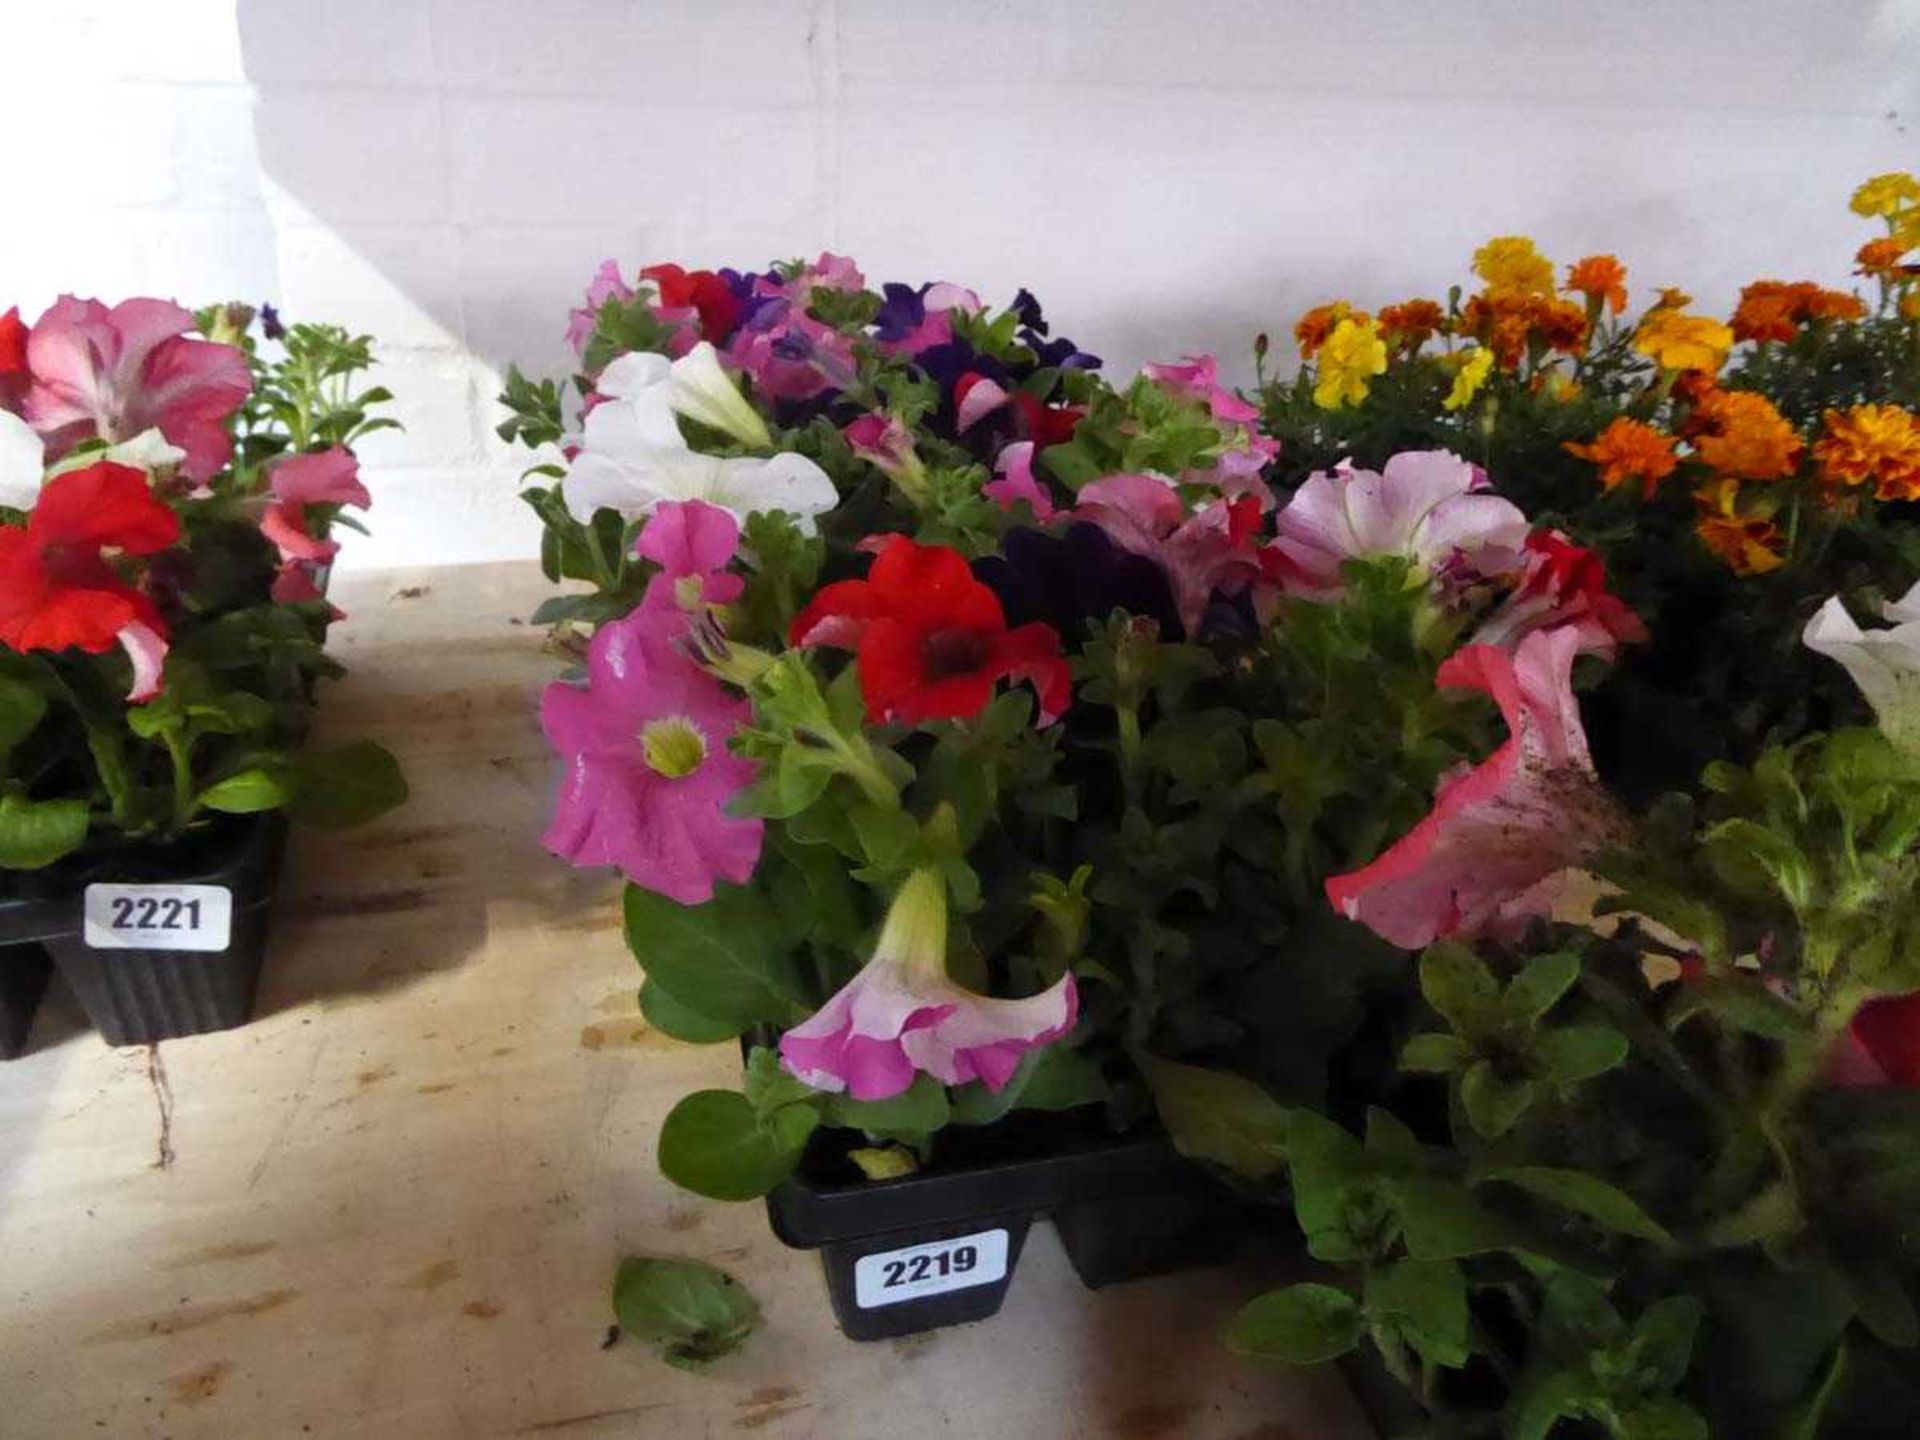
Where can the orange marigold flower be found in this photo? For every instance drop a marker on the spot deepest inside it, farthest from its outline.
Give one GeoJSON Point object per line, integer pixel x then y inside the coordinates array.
{"type": "Point", "coordinates": [1412, 322]}
{"type": "Point", "coordinates": [1910, 305]}
{"type": "Point", "coordinates": [1872, 444]}
{"type": "Point", "coordinates": [1740, 433]}
{"type": "Point", "coordinates": [1629, 450]}
{"type": "Point", "coordinates": [1776, 309]}
{"type": "Point", "coordinates": [1881, 258]}
{"type": "Point", "coordinates": [1311, 330]}
{"type": "Point", "coordinates": [1602, 278]}
{"type": "Point", "coordinates": [1749, 544]}
{"type": "Point", "coordinates": [1561, 323]}
{"type": "Point", "coordinates": [1691, 387]}
{"type": "Point", "coordinates": [1675, 341]}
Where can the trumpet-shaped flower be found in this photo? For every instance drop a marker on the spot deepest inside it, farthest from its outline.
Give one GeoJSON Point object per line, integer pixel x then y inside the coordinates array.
{"type": "Point", "coordinates": [1885, 664]}
{"type": "Point", "coordinates": [1197, 377]}
{"type": "Point", "coordinates": [648, 772]}
{"type": "Point", "coordinates": [1017, 482]}
{"type": "Point", "coordinates": [694, 385]}
{"type": "Point", "coordinates": [886, 444]}
{"type": "Point", "coordinates": [22, 462]}
{"type": "Point", "coordinates": [1499, 831]}
{"type": "Point", "coordinates": [1427, 505]}
{"type": "Point", "coordinates": [1563, 584]}
{"type": "Point", "coordinates": [59, 589]}
{"type": "Point", "coordinates": [328, 477]}
{"type": "Point", "coordinates": [113, 373]}
{"type": "Point", "coordinates": [931, 640]}
{"type": "Point", "coordinates": [1208, 551]}
{"type": "Point", "coordinates": [633, 457]}
{"type": "Point", "coordinates": [902, 1015]}
{"type": "Point", "coordinates": [692, 542]}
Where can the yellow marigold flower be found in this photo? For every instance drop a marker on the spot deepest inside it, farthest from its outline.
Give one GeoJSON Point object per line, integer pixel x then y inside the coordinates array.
{"type": "Point", "coordinates": [1872, 444]}
{"type": "Point", "coordinates": [1674, 341]}
{"type": "Point", "coordinates": [1600, 278]}
{"type": "Point", "coordinates": [1880, 258]}
{"type": "Point", "coordinates": [1749, 544]}
{"type": "Point", "coordinates": [1630, 450]}
{"type": "Point", "coordinates": [1910, 305]}
{"type": "Point", "coordinates": [1475, 365]}
{"type": "Point", "coordinates": [1739, 433]}
{"type": "Point", "coordinates": [1672, 297]}
{"type": "Point", "coordinates": [1353, 355]}
{"type": "Point", "coordinates": [1510, 264]}
{"type": "Point", "coordinates": [1311, 330]}
{"type": "Point", "coordinates": [1885, 194]}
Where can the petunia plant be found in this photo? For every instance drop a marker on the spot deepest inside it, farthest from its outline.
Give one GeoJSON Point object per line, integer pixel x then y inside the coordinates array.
{"type": "Point", "coordinates": [167, 489]}
{"type": "Point", "coordinates": [976, 735]}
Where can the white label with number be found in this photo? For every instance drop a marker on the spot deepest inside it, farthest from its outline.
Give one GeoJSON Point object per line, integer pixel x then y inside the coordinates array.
{"type": "Point", "coordinates": [158, 917]}
{"type": "Point", "coordinates": [932, 1269]}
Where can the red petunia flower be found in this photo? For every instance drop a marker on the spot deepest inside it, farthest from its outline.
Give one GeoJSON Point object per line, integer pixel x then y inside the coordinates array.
{"type": "Point", "coordinates": [1882, 1047]}
{"type": "Point", "coordinates": [976, 396]}
{"type": "Point", "coordinates": [58, 590]}
{"type": "Point", "coordinates": [14, 375]}
{"type": "Point", "coordinates": [931, 640]}
{"type": "Point", "coordinates": [701, 291]}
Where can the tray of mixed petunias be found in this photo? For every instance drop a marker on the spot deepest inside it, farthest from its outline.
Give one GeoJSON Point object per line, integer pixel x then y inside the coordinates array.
{"type": "Point", "coordinates": [167, 487]}
{"type": "Point", "coordinates": [978, 736]}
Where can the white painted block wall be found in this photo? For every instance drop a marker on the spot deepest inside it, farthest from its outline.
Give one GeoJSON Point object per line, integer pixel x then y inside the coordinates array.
{"type": "Point", "coordinates": [446, 173]}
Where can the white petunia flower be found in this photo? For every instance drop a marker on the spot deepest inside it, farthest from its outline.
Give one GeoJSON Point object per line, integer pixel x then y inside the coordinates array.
{"type": "Point", "coordinates": [22, 462]}
{"type": "Point", "coordinates": [1885, 664]}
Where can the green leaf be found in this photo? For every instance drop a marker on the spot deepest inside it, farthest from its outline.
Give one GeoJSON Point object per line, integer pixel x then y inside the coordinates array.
{"type": "Point", "coordinates": [1771, 1214]}
{"type": "Point", "coordinates": [1301, 1325]}
{"type": "Point", "coordinates": [726, 959]}
{"type": "Point", "coordinates": [1579, 1052]}
{"type": "Point", "coordinates": [250, 791]}
{"type": "Point", "coordinates": [1440, 1220]}
{"type": "Point", "coordinates": [1435, 1054]}
{"type": "Point", "coordinates": [347, 785]}
{"type": "Point", "coordinates": [34, 833]}
{"type": "Point", "coordinates": [1546, 1398]}
{"type": "Point", "coordinates": [917, 1111]}
{"type": "Point", "coordinates": [670, 1017]}
{"type": "Point", "coordinates": [1537, 988]}
{"type": "Point", "coordinates": [1662, 1340]}
{"type": "Point", "coordinates": [770, 1087]}
{"type": "Point", "coordinates": [1460, 987]}
{"type": "Point", "coordinates": [21, 706]}
{"type": "Point", "coordinates": [1426, 1302]}
{"type": "Point", "coordinates": [1662, 1419]}
{"type": "Point", "coordinates": [1493, 1104]}
{"type": "Point", "coordinates": [1212, 1115]}
{"type": "Point", "coordinates": [1740, 1001]}
{"type": "Point", "coordinates": [1587, 1195]}
{"type": "Point", "coordinates": [714, 1144]}
{"type": "Point", "coordinates": [693, 1312]}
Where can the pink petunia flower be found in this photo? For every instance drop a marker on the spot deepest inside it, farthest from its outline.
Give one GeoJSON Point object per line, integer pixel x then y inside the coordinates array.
{"type": "Point", "coordinates": [883, 442]}
{"type": "Point", "coordinates": [1563, 584]}
{"type": "Point", "coordinates": [325, 477]}
{"type": "Point", "coordinates": [114, 373]}
{"type": "Point", "coordinates": [1017, 482]}
{"type": "Point", "coordinates": [1198, 378]}
{"type": "Point", "coordinates": [606, 285]}
{"type": "Point", "coordinates": [693, 543]}
{"type": "Point", "coordinates": [649, 774]}
{"type": "Point", "coordinates": [790, 355]}
{"type": "Point", "coordinates": [1427, 505]}
{"type": "Point", "coordinates": [1499, 831]}
{"type": "Point", "coordinates": [1210, 550]}
{"type": "Point", "coordinates": [902, 1015]}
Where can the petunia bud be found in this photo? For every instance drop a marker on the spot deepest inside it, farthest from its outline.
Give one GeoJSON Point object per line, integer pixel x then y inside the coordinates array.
{"type": "Point", "coordinates": [701, 390]}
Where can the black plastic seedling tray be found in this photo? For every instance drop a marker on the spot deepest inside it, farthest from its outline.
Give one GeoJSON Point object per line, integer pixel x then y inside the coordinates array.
{"type": "Point", "coordinates": [23, 976]}
{"type": "Point", "coordinates": [940, 1247]}
{"type": "Point", "coordinates": [136, 996]}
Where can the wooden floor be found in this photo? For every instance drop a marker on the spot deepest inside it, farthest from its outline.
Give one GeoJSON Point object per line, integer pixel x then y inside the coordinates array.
{"type": "Point", "coordinates": [391, 1206]}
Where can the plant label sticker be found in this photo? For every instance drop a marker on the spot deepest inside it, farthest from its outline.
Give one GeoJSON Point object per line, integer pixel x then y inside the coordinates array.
{"type": "Point", "coordinates": [158, 917]}
{"type": "Point", "coordinates": [935, 1268]}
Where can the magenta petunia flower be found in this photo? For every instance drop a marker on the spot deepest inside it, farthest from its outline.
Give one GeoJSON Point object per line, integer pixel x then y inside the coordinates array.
{"type": "Point", "coordinates": [1198, 378]}
{"type": "Point", "coordinates": [1500, 831]}
{"type": "Point", "coordinates": [693, 543]}
{"type": "Point", "coordinates": [648, 772]}
{"type": "Point", "coordinates": [1017, 482]}
{"type": "Point", "coordinates": [902, 1016]}
{"type": "Point", "coordinates": [115, 373]}
{"type": "Point", "coordinates": [883, 442]}
{"type": "Point", "coordinates": [1427, 505]}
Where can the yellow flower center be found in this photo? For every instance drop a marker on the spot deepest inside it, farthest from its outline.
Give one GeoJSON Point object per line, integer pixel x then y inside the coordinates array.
{"type": "Point", "coordinates": [674, 747]}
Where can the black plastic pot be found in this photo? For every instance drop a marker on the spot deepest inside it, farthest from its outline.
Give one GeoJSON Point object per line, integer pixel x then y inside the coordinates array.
{"type": "Point", "coordinates": [940, 1247]}
{"type": "Point", "coordinates": [136, 996]}
{"type": "Point", "coordinates": [23, 976]}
